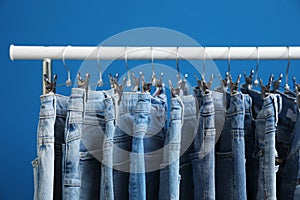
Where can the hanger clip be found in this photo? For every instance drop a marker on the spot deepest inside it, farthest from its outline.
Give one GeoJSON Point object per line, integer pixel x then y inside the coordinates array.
{"type": "Point", "coordinates": [248, 79]}
{"type": "Point", "coordinates": [265, 90]}
{"type": "Point", "coordinates": [146, 87]}
{"type": "Point", "coordinates": [174, 91]}
{"type": "Point", "coordinates": [234, 86]}
{"type": "Point", "coordinates": [84, 84]}
{"type": "Point", "coordinates": [276, 83]}
{"type": "Point", "coordinates": [136, 81]}
{"type": "Point", "coordinates": [50, 86]}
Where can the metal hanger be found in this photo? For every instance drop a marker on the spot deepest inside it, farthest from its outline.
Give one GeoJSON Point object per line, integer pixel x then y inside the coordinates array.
{"type": "Point", "coordinates": [159, 85]}
{"type": "Point", "coordinates": [174, 91]}
{"type": "Point", "coordinates": [181, 83]}
{"type": "Point", "coordinates": [248, 79]}
{"type": "Point", "coordinates": [276, 83]}
{"type": "Point", "coordinates": [153, 77]}
{"type": "Point", "coordinates": [265, 90]}
{"type": "Point", "coordinates": [136, 82]}
{"type": "Point", "coordinates": [84, 84]}
{"type": "Point", "coordinates": [68, 82]}
{"type": "Point", "coordinates": [100, 81]}
{"type": "Point", "coordinates": [287, 87]}
{"type": "Point", "coordinates": [50, 85]}
{"type": "Point", "coordinates": [118, 89]}
{"type": "Point", "coordinates": [146, 87]}
{"type": "Point", "coordinates": [256, 69]}
{"type": "Point", "coordinates": [234, 86]}
{"type": "Point", "coordinates": [128, 82]}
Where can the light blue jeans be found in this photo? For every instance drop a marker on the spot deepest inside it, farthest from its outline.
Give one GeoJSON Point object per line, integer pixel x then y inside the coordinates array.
{"type": "Point", "coordinates": [188, 132]}
{"type": "Point", "coordinates": [107, 191]}
{"type": "Point", "coordinates": [73, 132]}
{"type": "Point", "coordinates": [203, 160]}
{"type": "Point", "coordinates": [137, 178]}
{"type": "Point", "coordinates": [265, 151]}
{"type": "Point", "coordinates": [169, 174]}
{"type": "Point", "coordinates": [48, 164]}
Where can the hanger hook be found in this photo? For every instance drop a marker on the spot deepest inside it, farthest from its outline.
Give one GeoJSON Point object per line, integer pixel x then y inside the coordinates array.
{"type": "Point", "coordinates": [229, 57]}
{"type": "Point", "coordinates": [68, 82]}
{"type": "Point", "coordinates": [128, 82]}
{"type": "Point", "coordinates": [256, 69]}
{"type": "Point", "coordinates": [100, 82]}
{"type": "Point", "coordinates": [153, 78]}
{"type": "Point", "coordinates": [177, 64]}
{"type": "Point", "coordinates": [204, 62]}
{"type": "Point", "coordinates": [287, 87]}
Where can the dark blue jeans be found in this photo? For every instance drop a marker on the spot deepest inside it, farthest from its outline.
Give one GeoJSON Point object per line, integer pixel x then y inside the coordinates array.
{"type": "Point", "coordinates": [230, 153]}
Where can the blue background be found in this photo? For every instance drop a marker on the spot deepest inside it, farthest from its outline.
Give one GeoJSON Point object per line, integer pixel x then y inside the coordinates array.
{"type": "Point", "coordinates": [56, 22]}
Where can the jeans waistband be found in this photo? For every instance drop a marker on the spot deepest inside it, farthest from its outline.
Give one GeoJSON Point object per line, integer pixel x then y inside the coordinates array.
{"type": "Point", "coordinates": [236, 104]}
{"type": "Point", "coordinates": [189, 103]}
{"type": "Point", "coordinates": [176, 109]}
{"type": "Point", "coordinates": [60, 103]}
{"type": "Point", "coordinates": [207, 107]}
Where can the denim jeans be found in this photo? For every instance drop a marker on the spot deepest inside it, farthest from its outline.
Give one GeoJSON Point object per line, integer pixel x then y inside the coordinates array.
{"type": "Point", "coordinates": [287, 145]}
{"type": "Point", "coordinates": [93, 129]}
{"type": "Point", "coordinates": [253, 105]}
{"type": "Point", "coordinates": [48, 165]}
{"type": "Point", "coordinates": [265, 151]}
{"type": "Point", "coordinates": [169, 174]}
{"type": "Point", "coordinates": [153, 142]}
{"type": "Point", "coordinates": [203, 160]}
{"type": "Point", "coordinates": [106, 191]}
{"type": "Point", "coordinates": [137, 178]}
{"type": "Point", "coordinates": [188, 132]}
{"type": "Point", "coordinates": [73, 132]}
{"type": "Point", "coordinates": [230, 153]}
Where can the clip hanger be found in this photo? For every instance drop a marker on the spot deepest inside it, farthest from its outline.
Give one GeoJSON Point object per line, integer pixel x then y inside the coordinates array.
{"type": "Point", "coordinates": [174, 91]}
{"type": "Point", "coordinates": [276, 83]}
{"type": "Point", "coordinates": [234, 86]}
{"type": "Point", "coordinates": [146, 87]}
{"type": "Point", "coordinates": [248, 79]}
{"type": "Point", "coordinates": [84, 84]}
{"type": "Point", "coordinates": [265, 90]}
{"type": "Point", "coordinates": [118, 89]}
{"type": "Point", "coordinates": [50, 86]}
{"type": "Point", "coordinates": [136, 82]}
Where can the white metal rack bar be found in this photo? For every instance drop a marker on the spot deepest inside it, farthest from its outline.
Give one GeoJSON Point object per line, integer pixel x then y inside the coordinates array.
{"type": "Point", "coordinates": [159, 53]}
{"type": "Point", "coordinates": [48, 53]}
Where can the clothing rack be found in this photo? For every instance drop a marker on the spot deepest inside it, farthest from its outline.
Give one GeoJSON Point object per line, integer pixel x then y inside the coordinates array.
{"type": "Point", "coordinates": [48, 53]}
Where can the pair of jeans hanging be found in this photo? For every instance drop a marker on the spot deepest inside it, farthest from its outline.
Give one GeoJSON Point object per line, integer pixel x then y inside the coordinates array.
{"type": "Point", "coordinates": [230, 152]}
{"type": "Point", "coordinates": [203, 160]}
{"type": "Point", "coordinates": [265, 151]}
{"type": "Point", "coordinates": [124, 166]}
{"type": "Point", "coordinates": [48, 164]}
{"type": "Point", "coordinates": [188, 132]}
{"type": "Point", "coordinates": [98, 109]}
{"type": "Point", "coordinates": [169, 174]}
{"type": "Point", "coordinates": [73, 133]}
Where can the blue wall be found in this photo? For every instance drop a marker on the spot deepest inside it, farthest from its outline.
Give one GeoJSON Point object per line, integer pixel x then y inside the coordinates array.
{"type": "Point", "coordinates": [211, 23]}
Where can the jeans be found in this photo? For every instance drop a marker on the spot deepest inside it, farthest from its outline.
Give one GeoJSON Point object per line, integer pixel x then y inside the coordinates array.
{"type": "Point", "coordinates": [153, 142]}
{"type": "Point", "coordinates": [48, 165]}
{"type": "Point", "coordinates": [106, 191]}
{"type": "Point", "coordinates": [73, 132]}
{"type": "Point", "coordinates": [137, 178]}
{"type": "Point", "coordinates": [253, 105]}
{"type": "Point", "coordinates": [203, 160]}
{"type": "Point", "coordinates": [93, 129]}
{"type": "Point", "coordinates": [230, 153]}
{"type": "Point", "coordinates": [288, 147]}
{"type": "Point", "coordinates": [188, 132]}
{"type": "Point", "coordinates": [169, 174]}
{"type": "Point", "coordinates": [265, 151]}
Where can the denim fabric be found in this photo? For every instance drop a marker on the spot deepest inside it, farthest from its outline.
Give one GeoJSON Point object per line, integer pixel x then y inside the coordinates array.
{"type": "Point", "coordinates": [91, 140]}
{"type": "Point", "coordinates": [188, 131]}
{"type": "Point", "coordinates": [48, 165]}
{"type": "Point", "coordinates": [203, 160]}
{"type": "Point", "coordinates": [73, 132]}
{"type": "Point", "coordinates": [137, 178]}
{"type": "Point", "coordinates": [265, 151]}
{"type": "Point", "coordinates": [106, 191]}
{"type": "Point", "coordinates": [253, 105]}
{"type": "Point", "coordinates": [169, 176]}
{"type": "Point", "coordinates": [153, 144]}
{"type": "Point", "coordinates": [230, 153]}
